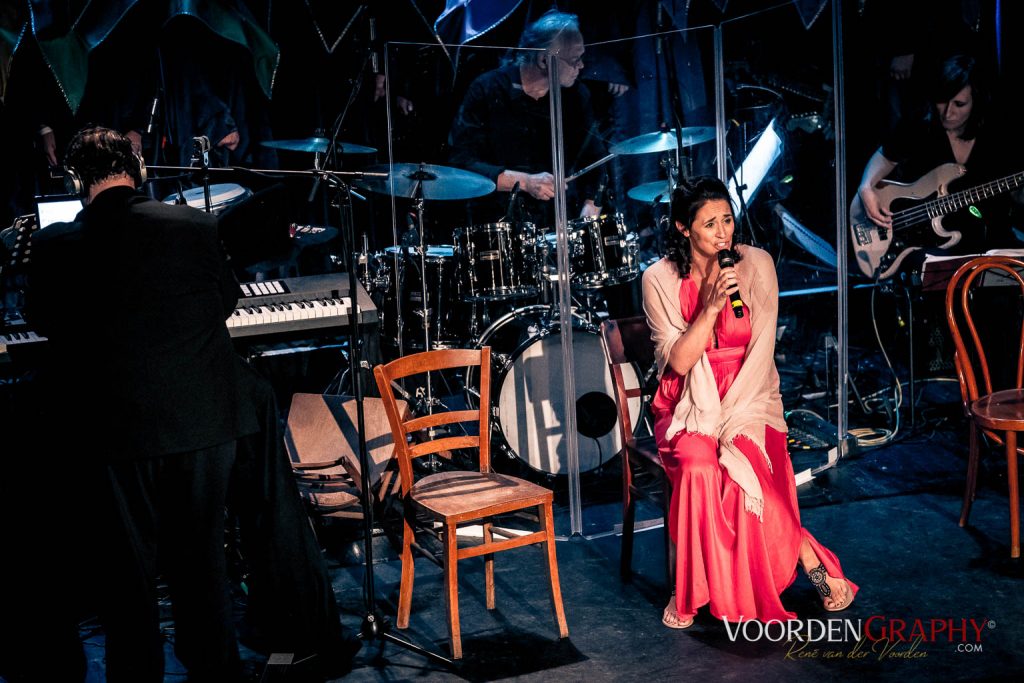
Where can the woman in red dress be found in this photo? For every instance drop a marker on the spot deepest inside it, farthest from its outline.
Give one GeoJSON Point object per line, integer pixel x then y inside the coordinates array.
{"type": "Point", "coordinates": [719, 425]}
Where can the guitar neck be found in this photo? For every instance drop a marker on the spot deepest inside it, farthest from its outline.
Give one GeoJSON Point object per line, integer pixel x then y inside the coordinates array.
{"type": "Point", "coordinates": [964, 198]}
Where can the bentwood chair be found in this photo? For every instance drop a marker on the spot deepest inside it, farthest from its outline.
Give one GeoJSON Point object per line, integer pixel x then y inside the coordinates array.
{"type": "Point", "coordinates": [627, 342]}
{"type": "Point", "coordinates": [457, 498]}
{"type": "Point", "coordinates": [322, 442]}
{"type": "Point", "coordinates": [998, 414]}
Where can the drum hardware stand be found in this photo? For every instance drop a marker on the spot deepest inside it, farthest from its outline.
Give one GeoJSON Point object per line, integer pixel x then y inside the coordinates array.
{"type": "Point", "coordinates": [419, 207]}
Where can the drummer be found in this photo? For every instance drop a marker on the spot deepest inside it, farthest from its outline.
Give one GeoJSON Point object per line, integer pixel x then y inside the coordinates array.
{"type": "Point", "coordinates": [503, 128]}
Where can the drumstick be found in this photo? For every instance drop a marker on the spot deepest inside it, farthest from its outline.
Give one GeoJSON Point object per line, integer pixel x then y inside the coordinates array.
{"type": "Point", "coordinates": [591, 167]}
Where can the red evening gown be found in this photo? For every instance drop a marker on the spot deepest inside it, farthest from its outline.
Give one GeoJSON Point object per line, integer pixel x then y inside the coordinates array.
{"type": "Point", "coordinates": [725, 556]}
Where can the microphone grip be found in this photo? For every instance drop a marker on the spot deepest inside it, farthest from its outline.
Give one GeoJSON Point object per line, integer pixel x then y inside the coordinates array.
{"type": "Point", "coordinates": [736, 303]}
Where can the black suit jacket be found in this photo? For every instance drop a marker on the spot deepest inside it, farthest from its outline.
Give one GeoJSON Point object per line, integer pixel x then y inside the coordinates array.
{"type": "Point", "coordinates": [133, 295]}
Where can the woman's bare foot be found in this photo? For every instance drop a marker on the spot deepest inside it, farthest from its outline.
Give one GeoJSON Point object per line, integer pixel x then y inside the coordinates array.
{"type": "Point", "coordinates": [672, 619]}
{"type": "Point", "coordinates": [835, 592]}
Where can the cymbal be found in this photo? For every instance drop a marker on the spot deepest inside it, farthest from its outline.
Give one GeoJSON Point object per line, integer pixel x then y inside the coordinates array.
{"type": "Point", "coordinates": [435, 182]}
{"type": "Point", "coordinates": [317, 145]}
{"type": "Point", "coordinates": [648, 192]}
{"type": "Point", "coordinates": [663, 141]}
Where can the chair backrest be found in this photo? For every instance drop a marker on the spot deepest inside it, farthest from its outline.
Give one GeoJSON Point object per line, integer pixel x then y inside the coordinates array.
{"type": "Point", "coordinates": [403, 428]}
{"type": "Point", "coordinates": [322, 434]}
{"type": "Point", "coordinates": [972, 361]}
{"type": "Point", "coordinates": [627, 341]}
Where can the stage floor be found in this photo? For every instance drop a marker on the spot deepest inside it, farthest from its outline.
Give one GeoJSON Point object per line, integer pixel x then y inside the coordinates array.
{"type": "Point", "coordinates": [890, 513]}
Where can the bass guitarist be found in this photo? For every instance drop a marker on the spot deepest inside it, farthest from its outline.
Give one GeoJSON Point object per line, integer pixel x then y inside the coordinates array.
{"type": "Point", "coordinates": [957, 136]}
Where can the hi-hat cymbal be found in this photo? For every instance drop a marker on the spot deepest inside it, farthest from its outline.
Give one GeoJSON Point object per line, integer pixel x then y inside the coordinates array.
{"type": "Point", "coordinates": [318, 145]}
{"type": "Point", "coordinates": [648, 192]}
{"type": "Point", "coordinates": [435, 182]}
{"type": "Point", "coordinates": [663, 141]}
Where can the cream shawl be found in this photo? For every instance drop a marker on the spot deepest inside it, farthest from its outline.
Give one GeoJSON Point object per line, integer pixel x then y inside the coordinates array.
{"type": "Point", "coordinates": [753, 400]}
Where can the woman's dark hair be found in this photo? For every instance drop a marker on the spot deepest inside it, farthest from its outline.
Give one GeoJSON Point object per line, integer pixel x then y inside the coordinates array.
{"type": "Point", "coordinates": [688, 197]}
{"type": "Point", "coordinates": [96, 154]}
{"type": "Point", "coordinates": [953, 75]}
{"type": "Point", "coordinates": [553, 26]}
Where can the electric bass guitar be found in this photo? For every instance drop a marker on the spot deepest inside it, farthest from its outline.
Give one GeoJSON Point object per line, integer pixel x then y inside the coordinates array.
{"type": "Point", "coordinates": [917, 212]}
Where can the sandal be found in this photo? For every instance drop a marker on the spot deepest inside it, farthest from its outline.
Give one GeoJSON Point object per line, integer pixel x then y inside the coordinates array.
{"type": "Point", "coordinates": [818, 577]}
{"type": "Point", "coordinates": [671, 618]}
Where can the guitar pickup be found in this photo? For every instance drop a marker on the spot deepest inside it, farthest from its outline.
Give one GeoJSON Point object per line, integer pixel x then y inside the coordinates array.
{"type": "Point", "coordinates": [863, 234]}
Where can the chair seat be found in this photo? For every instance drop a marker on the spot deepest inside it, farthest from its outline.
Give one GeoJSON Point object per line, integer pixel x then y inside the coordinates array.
{"type": "Point", "coordinates": [1003, 410]}
{"type": "Point", "coordinates": [471, 495]}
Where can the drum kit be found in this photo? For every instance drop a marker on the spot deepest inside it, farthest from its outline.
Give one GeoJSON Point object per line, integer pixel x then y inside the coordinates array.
{"type": "Point", "coordinates": [495, 284]}
{"type": "Point", "coordinates": [444, 296]}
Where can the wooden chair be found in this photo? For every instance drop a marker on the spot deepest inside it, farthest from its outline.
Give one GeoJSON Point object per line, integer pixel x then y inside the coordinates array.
{"type": "Point", "coordinates": [456, 498]}
{"type": "Point", "coordinates": [323, 444]}
{"type": "Point", "coordinates": [627, 341]}
{"type": "Point", "coordinates": [999, 414]}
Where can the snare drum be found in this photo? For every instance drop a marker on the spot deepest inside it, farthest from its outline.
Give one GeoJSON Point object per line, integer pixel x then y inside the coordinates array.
{"type": "Point", "coordinates": [530, 394]}
{"type": "Point", "coordinates": [222, 196]}
{"type": "Point", "coordinates": [602, 252]}
{"type": "Point", "coordinates": [403, 313]}
{"type": "Point", "coordinates": [497, 261]}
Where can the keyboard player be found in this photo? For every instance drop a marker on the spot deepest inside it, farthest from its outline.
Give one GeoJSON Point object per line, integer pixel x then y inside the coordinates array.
{"type": "Point", "coordinates": [133, 296]}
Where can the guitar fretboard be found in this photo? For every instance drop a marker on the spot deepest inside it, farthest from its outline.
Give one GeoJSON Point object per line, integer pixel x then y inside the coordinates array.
{"type": "Point", "coordinates": [961, 200]}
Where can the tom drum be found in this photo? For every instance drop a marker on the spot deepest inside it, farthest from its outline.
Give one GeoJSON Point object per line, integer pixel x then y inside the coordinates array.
{"type": "Point", "coordinates": [497, 261]}
{"type": "Point", "coordinates": [602, 252]}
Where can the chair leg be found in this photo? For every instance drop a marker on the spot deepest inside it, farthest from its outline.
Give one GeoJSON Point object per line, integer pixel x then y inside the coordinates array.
{"type": "Point", "coordinates": [489, 567]}
{"type": "Point", "coordinates": [970, 486]}
{"type": "Point", "coordinates": [628, 524]}
{"type": "Point", "coordinates": [628, 518]}
{"type": "Point", "coordinates": [408, 572]}
{"type": "Point", "coordinates": [451, 593]}
{"type": "Point", "coordinates": [1011, 475]}
{"type": "Point", "coordinates": [556, 586]}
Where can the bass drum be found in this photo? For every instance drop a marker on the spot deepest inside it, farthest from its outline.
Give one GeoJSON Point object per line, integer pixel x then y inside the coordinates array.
{"type": "Point", "coordinates": [530, 396]}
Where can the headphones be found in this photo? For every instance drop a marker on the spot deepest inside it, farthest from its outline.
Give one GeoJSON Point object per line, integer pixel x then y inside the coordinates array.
{"type": "Point", "coordinates": [74, 185]}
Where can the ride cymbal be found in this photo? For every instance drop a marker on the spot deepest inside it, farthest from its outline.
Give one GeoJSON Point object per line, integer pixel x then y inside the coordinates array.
{"type": "Point", "coordinates": [434, 182]}
{"type": "Point", "coordinates": [318, 145]}
{"type": "Point", "coordinates": [663, 141]}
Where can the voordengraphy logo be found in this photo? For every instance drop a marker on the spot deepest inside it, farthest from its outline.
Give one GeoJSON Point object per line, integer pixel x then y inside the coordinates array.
{"type": "Point", "coordinates": [926, 630]}
{"type": "Point", "coordinates": [877, 636]}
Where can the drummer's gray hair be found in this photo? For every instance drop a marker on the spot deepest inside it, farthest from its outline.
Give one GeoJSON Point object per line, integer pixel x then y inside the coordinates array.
{"type": "Point", "coordinates": [552, 27]}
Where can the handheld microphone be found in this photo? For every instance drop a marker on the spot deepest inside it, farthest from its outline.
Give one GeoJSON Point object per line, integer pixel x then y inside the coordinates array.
{"type": "Point", "coordinates": [727, 259]}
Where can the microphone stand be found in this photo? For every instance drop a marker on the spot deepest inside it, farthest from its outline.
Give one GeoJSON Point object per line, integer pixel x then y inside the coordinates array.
{"type": "Point", "coordinates": [201, 155]}
{"type": "Point", "coordinates": [374, 625]}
